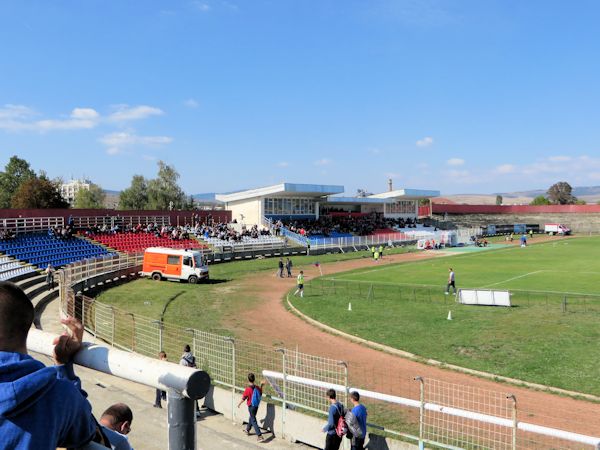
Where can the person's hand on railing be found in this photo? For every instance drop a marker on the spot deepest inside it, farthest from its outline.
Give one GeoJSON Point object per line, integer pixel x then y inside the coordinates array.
{"type": "Point", "coordinates": [69, 343]}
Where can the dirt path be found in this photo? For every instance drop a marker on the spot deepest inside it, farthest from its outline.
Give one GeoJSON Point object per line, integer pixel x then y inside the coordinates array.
{"type": "Point", "coordinates": [269, 321]}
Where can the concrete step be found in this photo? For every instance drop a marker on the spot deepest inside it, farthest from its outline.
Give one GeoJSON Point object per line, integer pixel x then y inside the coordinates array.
{"type": "Point", "coordinates": [30, 279]}
{"type": "Point", "coordinates": [34, 289]}
{"type": "Point", "coordinates": [40, 302]}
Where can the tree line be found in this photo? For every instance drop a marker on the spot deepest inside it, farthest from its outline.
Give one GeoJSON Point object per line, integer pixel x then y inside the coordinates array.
{"type": "Point", "coordinates": [22, 188]}
{"type": "Point", "coordinates": [560, 193]}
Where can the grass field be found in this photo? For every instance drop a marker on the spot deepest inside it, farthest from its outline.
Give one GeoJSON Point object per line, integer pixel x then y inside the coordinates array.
{"type": "Point", "coordinates": [404, 306]}
{"type": "Point", "coordinates": [214, 306]}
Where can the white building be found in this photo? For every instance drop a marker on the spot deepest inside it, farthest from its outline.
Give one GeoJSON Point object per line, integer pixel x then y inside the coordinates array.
{"type": "Point", "coordinates": [69, 190]}
{"type": "Point", "coordinates": [290, 201]}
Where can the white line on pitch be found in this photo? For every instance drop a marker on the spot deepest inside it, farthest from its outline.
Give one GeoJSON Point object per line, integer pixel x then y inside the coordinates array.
{"type": "Point", "coordinates": [513, 278]}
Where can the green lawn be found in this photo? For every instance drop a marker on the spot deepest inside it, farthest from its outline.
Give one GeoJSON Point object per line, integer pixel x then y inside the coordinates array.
{"type": "Point", "coordinates": [214, 306]}
{"type": "Point", "coordinates": [404, 306]}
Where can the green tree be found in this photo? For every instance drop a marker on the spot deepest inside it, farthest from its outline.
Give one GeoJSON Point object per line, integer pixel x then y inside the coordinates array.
{"type": "Point", "coordinates": [136, 195]}
{"type": "Point", "coordinates": [16, 172]}
{"type": "Point", "coordinates": [580, 202]}
{"type": "Point", "coordinates": [38, 192]}
{"type": "Point", "coordinates": [163, 191]}
{"type": "Point", "coordinates": [540, 200]}
{"type": "Point", "coordinates": [92, 198]}
{"type": "Point", "coordinates": [499, 199]}
{"type": "Point", "coordinates": [560, 194]}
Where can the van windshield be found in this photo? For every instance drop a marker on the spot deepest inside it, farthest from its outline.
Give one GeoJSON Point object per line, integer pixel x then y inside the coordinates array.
{"type": "Point", "coordinates": [197, 260]}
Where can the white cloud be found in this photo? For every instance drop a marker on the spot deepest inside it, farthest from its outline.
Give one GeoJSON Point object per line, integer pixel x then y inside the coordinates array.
{"type": "Point", "coordinates": [454, 162]}
{"type": "Point", "coordinates": [505, 169]}
{"type": "Point", "coordinates": [191, 103]}
{"type": "Point", "coordinates": [201, 6]}
{"type": "Point", "coordinates": [425, 142]}
{"type": "Point", "coordinates": [559, 158]}
{"type": "Point", "coordinates": [283, 164]}
{"type": "Point", "coordinates": [20, 118]}
{"type": "Point", "coordinates": [323, 162]}
{"type": "Point", "coordinates": [126, 113]}
{"type": "Point", "coordinates": [117, 141]}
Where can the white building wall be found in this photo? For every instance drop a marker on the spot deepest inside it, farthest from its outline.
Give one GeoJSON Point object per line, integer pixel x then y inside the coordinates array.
{"type": "Point", "coordinates": [251, 210]}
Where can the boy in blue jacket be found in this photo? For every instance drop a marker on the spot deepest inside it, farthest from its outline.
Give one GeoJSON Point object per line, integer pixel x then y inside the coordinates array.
{"type": "Point", "coordinates": [40, 407]}
{"type": "Point", "coordinates": [336, 409]}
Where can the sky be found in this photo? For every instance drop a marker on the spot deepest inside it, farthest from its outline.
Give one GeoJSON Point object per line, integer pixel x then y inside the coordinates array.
{"type": "Point", "coordinates": [457, 96]}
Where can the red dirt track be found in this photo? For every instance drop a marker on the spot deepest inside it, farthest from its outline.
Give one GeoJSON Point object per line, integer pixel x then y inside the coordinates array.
{"type": "Point", "coordinates": [269, 321]}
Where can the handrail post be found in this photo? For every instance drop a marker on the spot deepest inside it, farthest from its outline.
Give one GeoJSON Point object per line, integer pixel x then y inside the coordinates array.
{"type": "Point", "coordinates": [284, 399]}
{"type": "Point", "coordinates": [421, 381]}
{"type": "Point", "coordinates": [515, 427]}
{"type": "Point", "coordinates": [231, 340]}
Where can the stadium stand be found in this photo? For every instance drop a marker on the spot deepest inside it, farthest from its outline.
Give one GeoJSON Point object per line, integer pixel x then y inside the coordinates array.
{"type": "Point", "coordinates": [41, 250]}
{"type": "Point", "coordinates": [138, 242]}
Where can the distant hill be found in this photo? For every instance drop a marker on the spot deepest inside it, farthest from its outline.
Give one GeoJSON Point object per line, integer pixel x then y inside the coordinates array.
{"type": "Point", "coordinates": [591, 194]}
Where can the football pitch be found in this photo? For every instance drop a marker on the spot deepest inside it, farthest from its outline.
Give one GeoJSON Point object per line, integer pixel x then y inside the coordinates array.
{"type": "Point", "coordinates": [550, 335]}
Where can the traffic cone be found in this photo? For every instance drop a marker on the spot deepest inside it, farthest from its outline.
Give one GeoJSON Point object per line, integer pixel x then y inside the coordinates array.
{"type": "Point", "coordinates": [349, 306]}
{"type": "Point", "coordinates": [449, 315]}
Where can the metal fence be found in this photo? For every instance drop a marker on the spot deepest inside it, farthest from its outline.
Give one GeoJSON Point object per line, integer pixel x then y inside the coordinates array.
{"type": "Point", "coordinates": [31, 224]}
{"type": "Point", "coordinates": [428, 411]}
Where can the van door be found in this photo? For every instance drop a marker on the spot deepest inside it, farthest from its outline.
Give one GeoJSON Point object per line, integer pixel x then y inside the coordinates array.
{"type": "Point", "coordinates": [187, 267]}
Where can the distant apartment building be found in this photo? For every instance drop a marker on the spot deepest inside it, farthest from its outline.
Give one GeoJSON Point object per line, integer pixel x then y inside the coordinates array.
{"type": "Point", "coordinates": [69, 190]}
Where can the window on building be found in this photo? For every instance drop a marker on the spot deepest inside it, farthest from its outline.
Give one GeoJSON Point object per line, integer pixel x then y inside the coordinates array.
{"type": "Point", "coordinates": [289, 206]}
{"type": "Point", "coordinates": [401, 207]}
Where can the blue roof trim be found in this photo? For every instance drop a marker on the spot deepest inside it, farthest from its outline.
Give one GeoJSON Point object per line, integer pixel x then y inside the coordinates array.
{"type": "Point", "coordinates": [313, 188]}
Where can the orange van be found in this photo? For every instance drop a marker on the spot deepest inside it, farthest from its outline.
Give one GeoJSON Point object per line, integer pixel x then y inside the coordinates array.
{"type": "Point", "coordinates": [174, 264]}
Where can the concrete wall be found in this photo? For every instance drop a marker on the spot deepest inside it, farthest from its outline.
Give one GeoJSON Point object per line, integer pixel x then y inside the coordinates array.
{"type": "Point", "coordinates": [296, 427]}
{"type": "Point", "coordinates": [251, 209]}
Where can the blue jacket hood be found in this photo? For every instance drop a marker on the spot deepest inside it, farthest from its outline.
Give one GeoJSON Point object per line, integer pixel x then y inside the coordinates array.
{"type": "Point", "coordinates": [23, 381]}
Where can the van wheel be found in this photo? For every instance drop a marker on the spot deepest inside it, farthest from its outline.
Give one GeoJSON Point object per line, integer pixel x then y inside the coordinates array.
{"type": "Point", "coordinates": [156, 276]}
{"type": "Point", "coordinates": [193, 279]}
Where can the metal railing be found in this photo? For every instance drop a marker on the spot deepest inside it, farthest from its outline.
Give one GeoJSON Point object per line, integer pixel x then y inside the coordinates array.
{"type": "Point", "coordinates": [429, 412]}
{"type": "Point", "coordinates": [183, 385]}
{"type": "Point", "coordinates": [21, 225]}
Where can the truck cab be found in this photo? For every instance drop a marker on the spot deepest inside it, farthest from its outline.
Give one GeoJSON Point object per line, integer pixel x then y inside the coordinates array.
{"type": "Point", "coordinates": [174, 264]}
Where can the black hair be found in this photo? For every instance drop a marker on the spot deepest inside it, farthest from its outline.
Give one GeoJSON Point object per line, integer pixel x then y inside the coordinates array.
{"type": "Point", "coordinates": [186, 348]}
{"type": "Point", "coordinates": [331, 393]}
{"type": "Point", "coordinates": [251, 377]}
{"type": "Point", "coordinates": [16, 316]}
{"type": "Point", "coordinates": [355, 395]}
{"type": "Point", "coordinates": [118, 413]}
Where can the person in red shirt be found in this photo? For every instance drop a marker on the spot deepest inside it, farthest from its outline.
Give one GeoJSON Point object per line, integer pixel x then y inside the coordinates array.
{"type": "Point", "coordinates": [252, 396]}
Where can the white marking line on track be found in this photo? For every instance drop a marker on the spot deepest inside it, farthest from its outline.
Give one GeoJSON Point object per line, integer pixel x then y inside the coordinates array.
{"type": "Point", "coordinates": [513, 278]}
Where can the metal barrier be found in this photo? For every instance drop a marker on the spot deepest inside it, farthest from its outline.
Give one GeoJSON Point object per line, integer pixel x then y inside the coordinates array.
{"type": "Point", "coordinates": [184, 385]}
{"type": "Point", "coordinates": [430, 412]}
{"type": "Point", "coordinates": [21, 225]}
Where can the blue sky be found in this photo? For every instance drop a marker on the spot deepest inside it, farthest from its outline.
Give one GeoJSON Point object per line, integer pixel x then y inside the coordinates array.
{"type": "Point", "coordinates": [459, 96]}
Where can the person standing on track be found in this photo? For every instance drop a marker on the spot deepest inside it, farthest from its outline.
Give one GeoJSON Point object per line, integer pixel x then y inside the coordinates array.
{"type": "Point", "coordinates": [451, 278]}
{"type": "Point", "coordinates": [288, 266]}
{"type": "Point", "coordinates": [300, 282]}
{"type": "Point", "coordinates": [280, 268]}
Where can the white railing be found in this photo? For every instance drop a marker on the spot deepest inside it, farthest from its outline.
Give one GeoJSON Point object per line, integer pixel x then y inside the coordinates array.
{"type": "Point", "coordinates": [30, 224]}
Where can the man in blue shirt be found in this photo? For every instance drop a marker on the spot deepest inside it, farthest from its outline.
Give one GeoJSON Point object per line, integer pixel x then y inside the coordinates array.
{"type": "Point", "coordinates": [41, 407]}
{"type": "Point", "coordinates": [360, 413]}
{"type": "Point", "coordinates": [336, 410]}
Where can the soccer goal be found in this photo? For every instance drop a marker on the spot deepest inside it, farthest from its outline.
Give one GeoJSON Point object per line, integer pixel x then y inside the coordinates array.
{"type": "Point", "coordinates": [486, 297]}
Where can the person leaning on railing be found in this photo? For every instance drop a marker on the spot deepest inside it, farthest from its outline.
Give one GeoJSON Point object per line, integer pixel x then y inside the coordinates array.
{"type": "Point", "coordinates": [40, 407]}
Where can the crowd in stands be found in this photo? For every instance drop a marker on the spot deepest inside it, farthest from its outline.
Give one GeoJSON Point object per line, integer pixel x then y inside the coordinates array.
{"type": "Point", "coordinates": [176, 233]}
{"type": "Point", "coordinates": [328, 225]}
{"type": "Point", "coordinates": [228, 233]}
{"type": "Point", "coordinates": [5, 235]}
{"type": "Point", "coordinates": [59, 232]}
